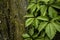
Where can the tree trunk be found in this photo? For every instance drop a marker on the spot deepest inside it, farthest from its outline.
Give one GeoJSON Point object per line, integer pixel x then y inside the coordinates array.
{"type": "Point", "coordinates": [12, 26]}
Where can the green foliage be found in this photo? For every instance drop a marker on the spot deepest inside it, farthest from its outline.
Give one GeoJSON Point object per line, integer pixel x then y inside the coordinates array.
{"type": "Point", "coordinates": [43, 20]}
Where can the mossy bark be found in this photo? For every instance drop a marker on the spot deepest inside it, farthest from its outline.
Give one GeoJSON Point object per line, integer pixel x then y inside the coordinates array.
{"type": "Point", "coordinates": [12, 20]}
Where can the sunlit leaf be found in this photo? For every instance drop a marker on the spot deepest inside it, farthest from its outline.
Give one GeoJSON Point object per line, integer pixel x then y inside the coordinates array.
{"type": "Point", "coordinates": [43, 18]}
{"type": "Point", "coordinates": [33, 8]}
{"type": "Point", "coordinates": [42, 26]}
{"type": "Point", "coordinates": [30, 6]}
{"type": "Point", "coordinates": [43, 0]}
{"type": "Point", "coordinates": [25, 35]}
{"type": "Point", "coordinates": [50, 31]}
{"type": "Point", "coordinates": [52, 12]}
{"type": "Point", "coordinates": [56, 25]}
{"type": "Point", "coordinates": [29, 21]}
{"type": "Point", "coordinates": [43, 10]}
{"type": "Point", "coordinates": [35, 23]}
{"type": "Point", "coordinates": [29, 15]}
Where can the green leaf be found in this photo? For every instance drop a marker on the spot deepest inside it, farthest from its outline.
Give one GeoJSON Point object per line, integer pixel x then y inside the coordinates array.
{"type": "Point", "coordinates": [44, 18]}
{"type": "Point", "coordinates": [31, 31]}
{"type": "Point", "coordinates": [30, 6]}
{"type": "Point", "coordinates": [35, 35]}
{"type": "Point", "coordinates": [45, 1]}
{"type": "Point", "coordinates": [50, 31]}
{"type": "Point", "coordinates": [43, 10]}
{"type": "Point", "coordinates": [33, 8]}
{"type": "Point", "coordinates": [42, 34]}
{"type": "Point", "coordinates": [52, 12]}
{"type": "Point", "coordinates": [46, 38]}
{"type": "Point", "coordinates": [56, 18]}
{"type": "Point", "coordinates": [35, 23]}
{"type": "Point", "coordinates": [42, 26]}
{"type": "Point", "coordinates": [33, 1]}
{"type": "Point", "coordinates": [29, 15]}
{"type": "Point", "coordinates": [28, 39]}
{"type": "Point", "coordinates": [56, 25]}
{"type": "Point", "coordinates": [58, 0]}
{"type": "Point", "coordinates": [40, 39]}
{"type": "Point", "coordinates": [25, 35]}
{"type": "Point", "coordinates": [38, 7]}
{"type": "Point", "coordinates": [51, 1]}
{"type": "Point", "coordinates": [29, 21]}
{"type": "Point", "coordinates": [56, 5]}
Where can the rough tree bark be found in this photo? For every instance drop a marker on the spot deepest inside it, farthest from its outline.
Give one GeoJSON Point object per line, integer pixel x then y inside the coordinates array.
{"type": "Point", "coordinates": [12, 21]}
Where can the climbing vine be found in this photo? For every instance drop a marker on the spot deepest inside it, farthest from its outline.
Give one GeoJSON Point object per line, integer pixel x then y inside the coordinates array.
{"type": "Point", "coordinates": [42, 19]}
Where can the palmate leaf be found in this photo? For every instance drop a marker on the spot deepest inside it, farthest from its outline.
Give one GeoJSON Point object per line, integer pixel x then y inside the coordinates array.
{"type": "Point", "coordinates": [25, 35]}
{"type": "Point", "coordinates": [29, 21]}
{"type": "Point", "coordinates": [50, 31]}
{"type": "Point", "coordinates": [56, 25]}
{"type": "Point", "coordinates": [42, 26]}
{"type": "Point", "coordinates": [56, 5]}
{"type": "Point", "coordinates": [52, 12]}
{"type": "Point", "coordinates": [43, 10]}
{"type": "Point", "coordinates": [44, 18]}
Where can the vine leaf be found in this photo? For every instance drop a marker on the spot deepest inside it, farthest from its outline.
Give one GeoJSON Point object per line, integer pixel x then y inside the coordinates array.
{"type": "Point", "coordinates": [44, 18]}
{"type": "Point", "coordinates": [52, 12]}
{"type": "Point", "coordinates": [29, 21]}
{"type": "Point", "coordinates": [43, 10]}
{"type": "Point", "coordinates": [25, 35]}
{"type": "Point", "coordinates": [50, 31]}
{"type": "Point", "coordinates": [42, 26]}
{"type": "Point", "coordinates": [56, 25]}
